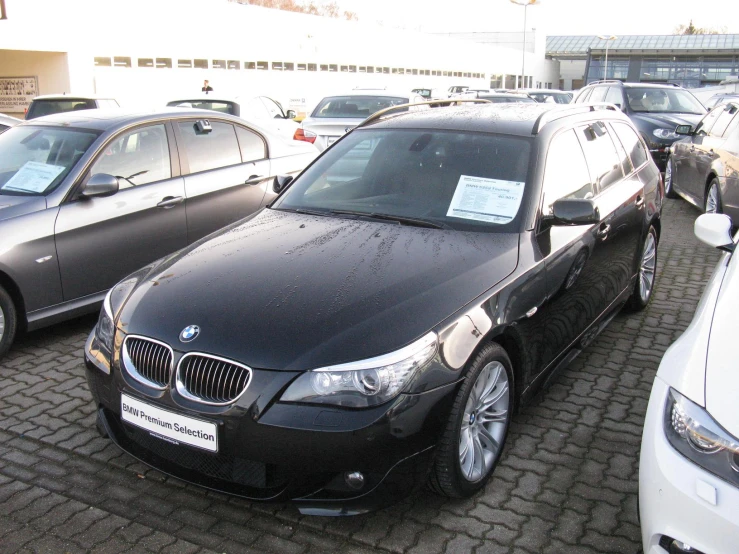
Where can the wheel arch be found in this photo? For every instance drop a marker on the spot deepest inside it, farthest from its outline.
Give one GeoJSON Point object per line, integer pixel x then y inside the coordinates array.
{"type": "Point", "coordinates": [511, 343]}
{"type": "Point", "coordinates": [14, 291]}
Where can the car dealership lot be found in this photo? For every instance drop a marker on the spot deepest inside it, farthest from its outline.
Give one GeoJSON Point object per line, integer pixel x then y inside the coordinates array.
{"type": "Point", "coordinates": [567, 481]}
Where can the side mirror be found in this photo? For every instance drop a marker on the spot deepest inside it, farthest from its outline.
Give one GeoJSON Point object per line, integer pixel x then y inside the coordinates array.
{"type": "Point", "coordinates": [715, 230]}
{"type": "Point", "coordinates": [575, 211]}
{"type": "Point", "coordinates": [99, 185]}
{"type": "Point", "coordinates": [291, 114]}
{"type": "Point", "coordinates": [281, 183]}
{"type": "Point", "coordinates": [685, 130]}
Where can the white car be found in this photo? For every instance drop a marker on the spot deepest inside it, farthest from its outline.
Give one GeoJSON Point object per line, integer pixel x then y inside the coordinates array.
{"type": "Point", "coordinates": [6, 122]}
{"type": "Point", "coordinates": [689, 465]}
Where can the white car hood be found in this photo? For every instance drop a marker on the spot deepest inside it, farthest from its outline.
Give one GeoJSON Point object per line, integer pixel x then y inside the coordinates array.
{"type": "Point", "coordinates": [722, 363]}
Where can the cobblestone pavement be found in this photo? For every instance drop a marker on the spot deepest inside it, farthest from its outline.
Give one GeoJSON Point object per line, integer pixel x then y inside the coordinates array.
{"type": "Point", "coordinates": [567, 481]}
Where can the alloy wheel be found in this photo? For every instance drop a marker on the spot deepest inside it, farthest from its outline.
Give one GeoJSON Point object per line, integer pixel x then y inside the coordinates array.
{"type": "Point", "coordinates": [668, 177]}
{"type": "Point", "coordinates": [484, 422]}
{"type": "Point", "coordinates": [712, 199]}
{"type": "Point", "coordinates": [648, 266]}
{"type": "Point", "coordinates": [2, 324]}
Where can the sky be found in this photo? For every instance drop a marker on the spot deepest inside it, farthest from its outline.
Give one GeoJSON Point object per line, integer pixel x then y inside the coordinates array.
{"type": "Point", "coordinates": [551, 17]}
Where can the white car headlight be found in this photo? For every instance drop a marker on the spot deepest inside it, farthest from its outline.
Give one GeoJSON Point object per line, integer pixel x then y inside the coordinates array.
{"type": "Point", "coordinates": [364, 383]}
{"type": "Point", "coordinates": [665, 133]}
{"type": "Point", "coordinates": [698, 437]}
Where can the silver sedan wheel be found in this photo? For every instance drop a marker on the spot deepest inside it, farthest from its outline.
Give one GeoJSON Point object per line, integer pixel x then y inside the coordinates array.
{"type": "Point", "coordinates": [648, 265]}
{"type": "Point", "coordinates": [712, 200]}
{"type": "Point", "coordinates": [2, 324]}
{"type": "Point", "coordinates": [484, 422]}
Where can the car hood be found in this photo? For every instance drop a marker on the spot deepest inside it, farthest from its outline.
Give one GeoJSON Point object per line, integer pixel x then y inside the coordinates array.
{"type": "Point", "coordinates": [14, 206]}
{"type": "Point", "coordinates": [666, 120]}
{"type": "Point", "coordinates": [290, 291]}
{"type": "Point", "coordinates": [722, 372]}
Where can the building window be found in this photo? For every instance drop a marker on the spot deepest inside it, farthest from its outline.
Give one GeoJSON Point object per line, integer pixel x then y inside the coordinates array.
{"type": "Point", "coordinates": [352, 69]}
{"type": "Point", "coordinates": [301, 67]}
{"type": "Point", "coordinates": [324, 67]}
{"type": "Point", "coordinates": [184, 64]}
{"type": "Point", "coordinates": [103, 62]}
{"type": "Point", "coordinates": [362, 69]}
{"type": "Point", "coordinates": [277, 66]}
{"type": "Point", "coordinates": [496, 81]}
{"type": "Point", "coordinates": [288, 66]}
{"type": "Point", "coordinates": [344, 68]}
{"type": "Point", "coordinates": [234, 64]}
{"type": "Point", "coordinates": [200, 64]}
{"type": "Point", "coordinates": [370, 69]}
{"type": "Point", "coordinates": [164, 63]}
{"type": "Point", "coordinates": [262, 66]}
{"type": "Point", "coordinates": [122, 61]}
{"type": "Point", "coordinates": [312, 67]}
{"type": "Point", "coordinates": [250, 65]}
{"type": "Point", "coordinates": [333, 67]}
{"type": "Point", "coordinates": [219, 64]}
{"type": "Point", "coordinates": [146, 62]}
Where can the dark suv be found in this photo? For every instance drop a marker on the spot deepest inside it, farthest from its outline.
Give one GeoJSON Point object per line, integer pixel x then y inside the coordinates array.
{"type": "Point", "coordinates": [381, 321]}
{"type": "Point", "coordinates": [655, 109]}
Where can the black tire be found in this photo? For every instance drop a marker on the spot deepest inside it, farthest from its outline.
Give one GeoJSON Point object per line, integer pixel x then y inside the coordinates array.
{"type": "Point", "coordinates": [446, 474]}
{"type": "Point", "coordinates": [719, 204]}
{"type": "Point", "coordinates": [9, 321]}
{"type": "Point", "coordinates": [637, 301]}
{"type": "Point", "coordinates": [669, 180]}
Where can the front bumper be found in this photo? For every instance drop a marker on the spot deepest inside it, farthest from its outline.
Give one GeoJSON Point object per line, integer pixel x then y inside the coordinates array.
{"type": "Point", "coordinates": [679, 499]}
{"type": "Point", "coordinates": [278, 451]}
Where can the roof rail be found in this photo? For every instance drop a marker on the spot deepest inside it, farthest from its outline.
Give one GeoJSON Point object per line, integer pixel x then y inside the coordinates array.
{"type": "Point", "coordinates": [447, 102]}
{"type": "Point", "coordinates": [600, 81]}
{"type": "Point", "coordinates": [552, 115]}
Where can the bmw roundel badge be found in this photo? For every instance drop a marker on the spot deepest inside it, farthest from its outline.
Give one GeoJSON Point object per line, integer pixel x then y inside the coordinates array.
{"type": "Point", "coordinates": [189, 333]}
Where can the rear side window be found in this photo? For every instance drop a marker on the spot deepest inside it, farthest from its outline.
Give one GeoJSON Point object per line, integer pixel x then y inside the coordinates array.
{"type": "Point", "coordinates": [599, 94]}
{"type": "Point", "coordinates": [137, 158]}
{"type": "Point", "coordinates": [631, 143]}
{"type": "Point", "coordinates": [601, 155]}
{"type": "Point", "coordinates": [584, 96]}
{"type": "Point", "coordinates": [40, 108]}
{"type": "Point", "coordinates": [724, 120]}
{"type": "Point", "coordinates": [614, 96]}
{"type": "Point", "coordinates": [251, 144]}
{"type": "Point", "coordinates": [566, 173]}
{"type": "Point", "coordinates": [209, 150]}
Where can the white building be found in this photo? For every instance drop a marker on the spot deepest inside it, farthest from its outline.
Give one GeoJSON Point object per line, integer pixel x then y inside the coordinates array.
{"type": "Point", "coordinates": [144, 52]}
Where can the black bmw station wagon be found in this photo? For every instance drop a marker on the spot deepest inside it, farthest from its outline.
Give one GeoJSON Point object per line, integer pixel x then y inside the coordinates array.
{"type": "Point", "coordinates": [376, 327]}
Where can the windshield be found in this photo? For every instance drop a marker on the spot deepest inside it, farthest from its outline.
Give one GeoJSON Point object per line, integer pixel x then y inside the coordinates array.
{"type": "Point", "coordinates": [663, 100]}
{"type": "Point", "coordinates": [35, 160]}
{"type": "Point", "coordinates": [557, 98]}
{"type": "Point", "coordinates": [41, 108]}
{"type": "Point", "coordinates": [214, 105]}
{"type": "Point", "coordinates": [445, 179]}
{"type": "Point", "coordinates": [355, 106]}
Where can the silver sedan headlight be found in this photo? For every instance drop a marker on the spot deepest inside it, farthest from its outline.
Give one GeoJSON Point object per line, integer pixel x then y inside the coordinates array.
{"type": "Point", "coordinates": [364, 383]}
{"type": "Point", "coordinates": [668, 134]}
{"type": "Point", "coordinates": [697, 436]}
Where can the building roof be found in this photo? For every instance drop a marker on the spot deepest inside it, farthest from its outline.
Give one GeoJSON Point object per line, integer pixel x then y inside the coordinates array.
{"type": "Point", "coordinates": [579, 44]}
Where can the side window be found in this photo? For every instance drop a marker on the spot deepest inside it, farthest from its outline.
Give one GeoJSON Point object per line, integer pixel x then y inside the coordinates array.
{"type": "Point", "coordinates": [139, 157]}
{"type": "Point", "coordinates": [630, 141]}
{"type": "Point", "coordinates": [211, 150]}
{"type": "Point", "coordinates": [566, 173]}
{"type": "Point", "coordinates": [272, 108]}
{"type": "Point", "coordinates": [705, 125]}
{"type": "Point", "coordinates": [251, 144]}
{"type": "Point", "coordinates": [253, 109]}
{"type": "Point", "coordinates": [600, 153]}
{"type": "Point", "coordinates": [599, 93]}
{"type": "Point", "coordinates": [724, 119]}
{"type": "Point", "coordinates": [615, 96]}
{"type": "Point", "coordinates": [584, 96]}
{"type": "Point", "coordinates": [625, 162]}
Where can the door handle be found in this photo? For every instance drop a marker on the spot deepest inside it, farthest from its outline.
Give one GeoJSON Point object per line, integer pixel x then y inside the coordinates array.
{"type": "Point", "coordinates": [170, 202]}
{"type": "Point", "coordinates": [254, 179]}
{"type": "Point", "coordinates": [603, 230]}
{"type": "Point", "coordinates": [639, 201]}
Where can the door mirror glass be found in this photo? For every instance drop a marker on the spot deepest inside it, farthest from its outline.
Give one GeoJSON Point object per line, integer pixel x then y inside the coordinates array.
{"type": "Point", "coordinates": [685, 130]}
{"type": "Point", "coordinates": [281, 183]}
{"type": "Point", "coordinates": [575, 211]}
{"type": "Point", "coordinates": [291, 114]}
{"type": "Point", "coordinates": [99, 185]}
{"type": "Point", "coordinates": [714, 230]}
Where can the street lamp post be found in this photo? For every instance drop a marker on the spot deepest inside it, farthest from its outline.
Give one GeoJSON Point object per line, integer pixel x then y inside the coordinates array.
{"type": "Point", "coordinates": [525, 4]}
{"type": "Point", "coordinates": [607, 39]}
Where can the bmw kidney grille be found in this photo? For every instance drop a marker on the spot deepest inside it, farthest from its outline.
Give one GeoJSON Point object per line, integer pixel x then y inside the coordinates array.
{"type": "Point", "coordinates": [210, 379]}
{"type": "Point", "coordinates": [148, 361]}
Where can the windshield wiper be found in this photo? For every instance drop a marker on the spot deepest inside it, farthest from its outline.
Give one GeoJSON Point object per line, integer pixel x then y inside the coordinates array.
{"type": "Point", "coordinates": [400, 219]}
{"type": "Point", "coordinates": [323, 213]}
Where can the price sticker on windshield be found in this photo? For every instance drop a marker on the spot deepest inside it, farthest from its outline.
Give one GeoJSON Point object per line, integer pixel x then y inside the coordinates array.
{"type": "Point", "coordinates": [33, 177]}
{"type": "Point", "coordinates": [481, 199]}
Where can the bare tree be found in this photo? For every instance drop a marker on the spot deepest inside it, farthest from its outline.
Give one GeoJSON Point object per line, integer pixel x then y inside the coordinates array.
{"type": "Point", "coordinates": [691, 29]}
{"type": "Point", "coordinates": [330, 9]}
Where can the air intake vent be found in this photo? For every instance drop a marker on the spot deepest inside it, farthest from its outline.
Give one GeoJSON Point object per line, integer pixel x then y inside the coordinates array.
{"type": "Point", "coordinates": [148, 361]}
{"type": "Point", "coordinates": [211, 380]}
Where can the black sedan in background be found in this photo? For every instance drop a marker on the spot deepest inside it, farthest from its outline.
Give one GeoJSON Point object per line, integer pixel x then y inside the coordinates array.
{"type": "Point", "coordinates": [703, 168]}
{"type": "Point", "coordinates": [376, 327]}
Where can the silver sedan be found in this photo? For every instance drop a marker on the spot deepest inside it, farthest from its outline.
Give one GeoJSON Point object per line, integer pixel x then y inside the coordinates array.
{"type": "Point", "coordinates": [88, 197]}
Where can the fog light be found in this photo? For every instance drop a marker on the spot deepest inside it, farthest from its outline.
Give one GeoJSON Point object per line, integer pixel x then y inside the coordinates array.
{"type": "Point", "coordinates": [354, 479]}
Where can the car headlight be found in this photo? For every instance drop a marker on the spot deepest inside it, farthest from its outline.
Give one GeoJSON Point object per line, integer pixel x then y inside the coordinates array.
{"type": "Point", "coordinates": [114, 301]}
{"type": "Point", "coordinates": [364, 383]}
{"type": "Point", "coordinates": [698, 437]}
{"type": "Point", "coordinates": [665, 134]}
